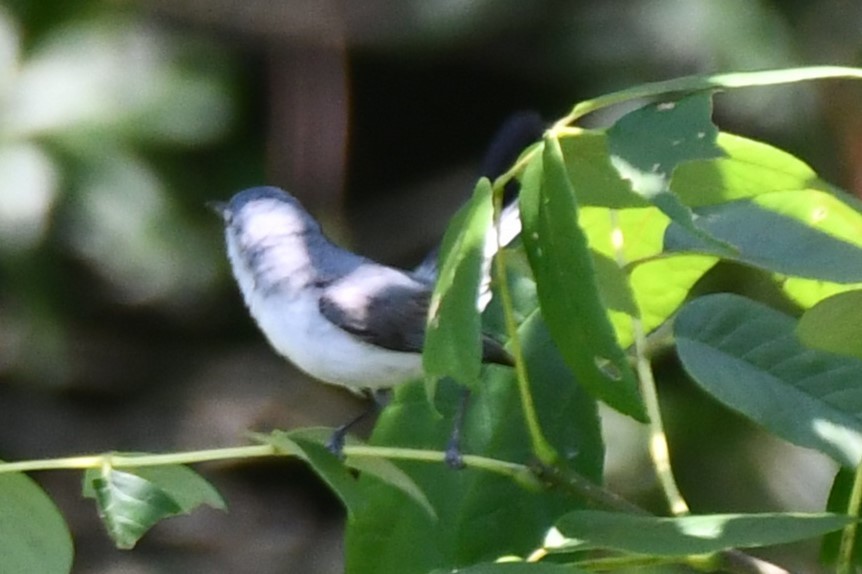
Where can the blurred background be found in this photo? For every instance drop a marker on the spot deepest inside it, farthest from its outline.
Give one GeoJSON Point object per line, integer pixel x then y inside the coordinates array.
{"type": "Point", "coordinates": [120, 327]}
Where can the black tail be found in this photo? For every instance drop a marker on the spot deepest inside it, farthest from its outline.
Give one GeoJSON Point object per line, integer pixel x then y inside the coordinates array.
{"type": "Point", "coordinates": [519, 131]}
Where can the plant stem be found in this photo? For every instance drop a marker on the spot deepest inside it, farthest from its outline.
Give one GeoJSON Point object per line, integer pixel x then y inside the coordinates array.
{"type": "Point", "coordinates": [519, 472]}
{"type": "Point", "coordinates": [658, 448]}
{"type": "Point", "coordinates": [741, 563]}
{"type": "Point", "coordinates": [522, 473]}
{"type": "Point", "coordinates": [534, 477]}
{"type": "Point", "coordinates": [541, 447]}
{"type": "Point", "coordinates": [620, 563]}
{"type": "Point", "coordinates": [575, 484]}
{"type": "Point", "coordinates": [128, 461]}
{"type": "Point", "coordinates": [848, 535]}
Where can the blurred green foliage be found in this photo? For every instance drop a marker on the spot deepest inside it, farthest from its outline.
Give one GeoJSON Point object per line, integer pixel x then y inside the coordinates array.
{"type": "Point", "coordinates": [83, 105]}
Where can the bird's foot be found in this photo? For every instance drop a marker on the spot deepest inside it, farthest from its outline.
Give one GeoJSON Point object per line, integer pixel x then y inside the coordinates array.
{"type": "Point", "coordinates": [453, 457]}
{"type": "Point", "coordinates": [335, 444]}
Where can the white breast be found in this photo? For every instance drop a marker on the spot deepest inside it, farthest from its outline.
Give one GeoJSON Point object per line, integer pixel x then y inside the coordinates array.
{"type": "Point", "coordinates": [297, 330]}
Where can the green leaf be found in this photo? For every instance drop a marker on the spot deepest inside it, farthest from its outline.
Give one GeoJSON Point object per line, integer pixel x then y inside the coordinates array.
{"type": "Point", "coordinates": [560, 401]}
{"type": "Point", "coordinates": [34, 538]}
{"type": "Point", "coordinates": [655, 139]}
{"type": "Point", "coordinates": [185, 486]}
{"type": "Point", "coordinates": [839, 216]}
{"type": "Point", "coordinates": [566, 280]}
{"type": "Point", "coordinates": [839, 500]}
{"type": "Point", "coordinates": [640, 232]}
{"type": "Point", "coordinates": [453, 340]}
{"type": "Point", "coordinates": [747, 356]}
{"type": "Point", "coordinates": [515, 568]}
{"type": "Point", "coordinates": [750, 168]}
{"type": "Point", "coordinates": [660, 286]}
{"type": "Point", "coordinates": [770, 241]}
{"type": "Point", "coordinates": [649, 143]}
{"type": "Point", "coordinates": [613, 284]}
{"type": "Point", "coordinates": [132, 501]}
{"type": "Point", "coordinates": [690, 84]}
{"type": "Point", "coordinates": [594, 178]}
{"type": "Point", "coordinates": [130, 505]}
{"type": "Point", "coordinates": [471, 504]}
{"type": "Point", "coordinates": [658, 282]}
{"type": "Point", "coordinates": [687, 535]}
{"type": "Point", "coordinates": [386, 471]}
{"type": "Point", "coordinates": [834, 325]}
{"type": "Point", "coordinates": [309, 445]}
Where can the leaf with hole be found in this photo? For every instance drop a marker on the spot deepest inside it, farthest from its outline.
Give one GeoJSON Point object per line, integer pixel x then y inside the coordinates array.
{"type": "Point", "coordinates": [648, 144]}
{"type": "Point", "coordinates": [566, 281]}
{"type": "Point", "coordinates": [130, 505]}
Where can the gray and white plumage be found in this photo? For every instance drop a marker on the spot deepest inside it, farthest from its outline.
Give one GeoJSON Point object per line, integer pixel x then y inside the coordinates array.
{"type": "Point", "coordinates": [340, 317]}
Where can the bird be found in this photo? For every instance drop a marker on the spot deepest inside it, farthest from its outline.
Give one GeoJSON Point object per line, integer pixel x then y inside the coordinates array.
{"type": "Point", "coordinates": [340, 317]}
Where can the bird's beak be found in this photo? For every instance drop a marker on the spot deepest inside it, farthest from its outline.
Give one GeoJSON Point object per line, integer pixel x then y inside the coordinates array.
{"type": "Point", "coordinates": [219, 207]}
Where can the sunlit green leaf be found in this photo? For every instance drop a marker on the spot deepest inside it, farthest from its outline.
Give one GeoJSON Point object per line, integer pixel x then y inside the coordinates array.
{"type": "Point", "coordinates": [660, 286]}
{"type": "Point", "coordinates": [834, 324]}
{"type": "Point", "coordinates": [614, 286]}
{"type": "Point", "coordinates": [594, 178]}
{"type": "Point", "coordinates": [750, 168]}
{"type": "Point", "coordinates": [838, 216]}
{"type": "Point", "coordinates": [688, 535]}
{"type": "Point", "coordinates": [649, 143]}
{"type": "Point", "coordinates": [639, 232]}
{"type": "Point", "coordinates": [747, 356]}
{"type": "Point", "coordinates": [658, 282]}
{"type": "Point", "coordinates": [770, 241]}
{"type": "Point", "coordinates": [34, 538]}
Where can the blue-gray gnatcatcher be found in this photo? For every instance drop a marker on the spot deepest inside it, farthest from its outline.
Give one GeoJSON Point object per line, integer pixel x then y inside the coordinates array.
{"type": "Point", "coordinates": [340, 317]}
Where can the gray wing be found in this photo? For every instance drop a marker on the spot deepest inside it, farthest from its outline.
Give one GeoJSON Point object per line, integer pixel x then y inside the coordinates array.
{"type": "Point", "coordinates": [388, 308]}
{"type": "Point", "coordinates": [380, 305]}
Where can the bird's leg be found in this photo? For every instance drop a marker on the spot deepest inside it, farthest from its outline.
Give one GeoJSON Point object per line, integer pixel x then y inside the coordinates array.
{"type": "Point", "coordinates": [335, 444]}
{"type": "Point", "coordinates": [453, 456]}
